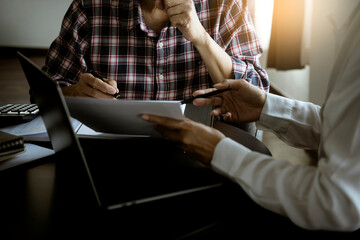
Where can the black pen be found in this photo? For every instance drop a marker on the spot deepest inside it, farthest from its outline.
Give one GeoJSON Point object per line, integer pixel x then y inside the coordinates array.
{"type": "Point", "coordinates": [116, 95]}
{"type": "Point", "coordinates": [190, 100]}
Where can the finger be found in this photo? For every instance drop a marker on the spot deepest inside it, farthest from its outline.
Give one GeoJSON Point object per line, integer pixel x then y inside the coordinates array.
{"type": "Point", "coordinates": [211, 101]}
{"type": "Point", "coordinates": [100, 85]}
{"type": "Point", "coordinates": [203, 91]}
{"type": "Point", "coordinates": [112, 83]}
{"type": "Point", "coordinates": [228, 117]}
{"type": "Point", "coordinates": [232, 84]}
{"type": "Point", "coordinates": [163, 121]}
{"type": "Point", "coordinates": [178, 9]}
{"type": "Point", "coordinates": [171, 3]}
{"type": "Point", "coordinates": [218, 111]}
{"type": "Point", "coordinates": [223, 85]}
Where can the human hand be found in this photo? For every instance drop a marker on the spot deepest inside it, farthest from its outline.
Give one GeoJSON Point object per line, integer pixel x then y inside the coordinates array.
{"type": "Point", "coordinates": [159, 4]}
{"type": "Point", "coordinates": [183, 15]}
{"type": "Point", "coordinates": [90, 86]}
{"type": "Point", "coordinates": [243, 103]}
{"type": "Point", "coordinates": [195, 138]}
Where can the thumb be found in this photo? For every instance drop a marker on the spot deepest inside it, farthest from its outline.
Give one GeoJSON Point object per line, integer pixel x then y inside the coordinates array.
{"type": "Point", "coordinates": [231, 84]}
{"type": "Point", "coordinates": [112, 83]}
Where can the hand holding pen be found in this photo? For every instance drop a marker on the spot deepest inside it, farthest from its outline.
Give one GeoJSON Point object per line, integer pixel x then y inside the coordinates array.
{"type": "Point", "coordinates": [92, 86]}
{"type": "Point", "coordinates": [205, 95]}
{"type": "Point", "coordinates": [116, 95]}
{"type": "Point", "coordinates": [244, 103]}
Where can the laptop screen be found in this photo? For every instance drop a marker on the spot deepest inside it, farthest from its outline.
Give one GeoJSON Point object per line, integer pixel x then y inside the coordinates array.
{"type": "Point", "coordinates": [55, 116]}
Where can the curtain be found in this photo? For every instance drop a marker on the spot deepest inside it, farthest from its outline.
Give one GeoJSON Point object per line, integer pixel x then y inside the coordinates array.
{"type": "Point", "coordinates": [285, 50]}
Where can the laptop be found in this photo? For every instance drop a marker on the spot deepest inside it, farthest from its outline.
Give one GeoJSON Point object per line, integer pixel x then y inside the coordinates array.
{"type": "Point", "coordinates": [122, 172]}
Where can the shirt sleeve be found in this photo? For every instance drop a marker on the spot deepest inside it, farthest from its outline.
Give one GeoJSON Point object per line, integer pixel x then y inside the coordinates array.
{"type": "Point", "coordinates": [295, 122]}
{"type": "Point", "coordinates": [238, 37]}
{"type": "Point", "coordinates": [66, 56]}
{"type": "Point", "coordinates": [322, 197]}
{"type": "Point", "coordinates": [314, 198]}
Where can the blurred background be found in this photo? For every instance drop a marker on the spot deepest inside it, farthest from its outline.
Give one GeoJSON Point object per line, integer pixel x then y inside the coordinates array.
{"type": "Point", "coordinates": [302, 37]}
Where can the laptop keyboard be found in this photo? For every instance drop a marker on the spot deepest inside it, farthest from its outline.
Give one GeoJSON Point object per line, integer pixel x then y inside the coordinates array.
{"type": "Point", "coordinates": [17, 113]}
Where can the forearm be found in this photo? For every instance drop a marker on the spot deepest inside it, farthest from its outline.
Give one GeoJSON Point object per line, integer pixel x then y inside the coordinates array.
{"type": "Point", "coordinates": [305, 194]}
{"type": "Point", "coordinates": [223, 65]}
{"type": "Point", "coordinates": [217, 61]}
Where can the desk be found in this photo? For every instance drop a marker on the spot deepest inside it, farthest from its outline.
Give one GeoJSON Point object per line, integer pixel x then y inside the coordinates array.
{"type": "Point", "coordinates": [35, 205]}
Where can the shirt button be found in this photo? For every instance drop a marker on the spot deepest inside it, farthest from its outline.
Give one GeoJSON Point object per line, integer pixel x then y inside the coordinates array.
{"type": "Point", "coordinates": [161, 45]}
{"type": "Point", "coordinates": [161, 77]}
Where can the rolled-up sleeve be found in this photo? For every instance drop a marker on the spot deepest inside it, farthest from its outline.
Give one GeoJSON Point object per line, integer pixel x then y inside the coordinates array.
{"type": "Point", "coordinates": [238, 37]}
{"type": "Point", "coordinates": [295, 122]}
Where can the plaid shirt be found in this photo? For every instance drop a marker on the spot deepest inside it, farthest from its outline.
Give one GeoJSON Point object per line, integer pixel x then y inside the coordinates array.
{"type": "Point", "coordinates": [110, 36]}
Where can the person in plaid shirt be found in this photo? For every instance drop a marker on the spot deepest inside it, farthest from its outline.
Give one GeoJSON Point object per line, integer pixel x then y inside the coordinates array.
{"type": "Point", "coordinates": [154, 49]}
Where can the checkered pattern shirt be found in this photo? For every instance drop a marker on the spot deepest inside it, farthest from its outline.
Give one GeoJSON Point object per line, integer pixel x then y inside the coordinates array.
{"type": "Point", "coordinates": [110, 36]}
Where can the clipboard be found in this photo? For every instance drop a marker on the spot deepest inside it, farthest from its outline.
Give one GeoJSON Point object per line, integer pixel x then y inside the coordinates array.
{"type": "Point", "coordinates": [121, 116]}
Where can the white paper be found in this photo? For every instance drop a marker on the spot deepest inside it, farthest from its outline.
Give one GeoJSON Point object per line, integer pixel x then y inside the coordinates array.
{"type": "Point", "coordinates": [35, 129]}
{"type": "Point", "coordinates": [121, 116]}
{"type": "Point", "coordinates": [35, 126]}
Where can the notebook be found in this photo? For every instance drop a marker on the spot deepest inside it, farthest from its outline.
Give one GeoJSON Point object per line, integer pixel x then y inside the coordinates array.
{"type": "Point", "coordinates": [10, 144]}
{"type": "Point", "coordinates": [128, 171]}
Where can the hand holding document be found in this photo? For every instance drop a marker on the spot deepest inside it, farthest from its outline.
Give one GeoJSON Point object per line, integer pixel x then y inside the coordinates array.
{"type": "Point", "coordinates": [121, 116]}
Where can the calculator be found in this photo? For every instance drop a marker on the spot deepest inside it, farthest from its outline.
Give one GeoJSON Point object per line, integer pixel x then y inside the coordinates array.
{"type": "Point", "coordinates": [17, 113]}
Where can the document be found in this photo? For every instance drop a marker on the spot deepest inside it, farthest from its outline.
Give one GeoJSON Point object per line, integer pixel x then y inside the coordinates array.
{"type": "Point", "coordinates": [121, 116]}
{"type": "Point", "coordinates": [34, 130]}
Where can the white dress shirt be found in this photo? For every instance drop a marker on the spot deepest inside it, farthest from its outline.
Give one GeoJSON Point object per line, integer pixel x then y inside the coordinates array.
{"type": "Point", "coordinates": [326, 196]}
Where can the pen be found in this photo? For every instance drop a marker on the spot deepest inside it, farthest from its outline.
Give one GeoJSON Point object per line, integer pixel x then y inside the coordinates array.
{"type": "Point", "coordinates": [116, 95]}
{"type": "Point", "coordinates": [204, 95]}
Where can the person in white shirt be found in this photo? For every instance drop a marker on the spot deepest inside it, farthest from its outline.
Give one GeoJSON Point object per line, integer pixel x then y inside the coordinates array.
{"type": "Point", "coordinates": [322, 197]}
